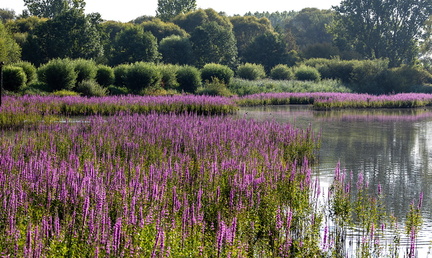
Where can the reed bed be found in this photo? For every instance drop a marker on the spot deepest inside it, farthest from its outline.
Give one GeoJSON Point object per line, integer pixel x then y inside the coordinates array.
{"type": "Point", "coordinates": [325, 101]}
{"type": "Point", "coordinates": [159, 185]}
{"type": "Point", "coordinates": [18, 110]}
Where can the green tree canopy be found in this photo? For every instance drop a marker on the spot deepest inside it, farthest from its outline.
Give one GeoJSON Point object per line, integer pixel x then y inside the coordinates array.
{"type": "Point", "coordinates": [134, 45]}
{"type": "Point", "coordinates": [72, 34]}
{"type": "Point", "coordinates": [162, 29]}
{"type": "Point", "coordinates": [213, 43]}
{"type": "Point", "coordinates": [192, 20]}
{"type": "Point", "coordinates": [277, 19]}
{"type": "Point", "coordinates": [212, 37]}
{"type": "Point", "coordinates": [176, 50]}
{"type": "Point", "coordinates": [168, 9]}
{"type": "Point", "coordinates": [52, 8]}
{"type": "Point", "coordinates": [268, 50]}
{"type": "Point", "coordinates": [247, 28]}
{"type": "Point", "coordinates": [6, 14]}
{"type": "Point", "coordinates": [382, 28]}
{"type": "Point", "coordinates": [309, 26]}
{"type": "Point", "coordinates": [10, 51]}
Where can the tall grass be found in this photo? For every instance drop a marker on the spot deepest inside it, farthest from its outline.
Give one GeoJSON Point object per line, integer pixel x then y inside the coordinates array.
{"type": "Point", "coordinates": [324, 100]}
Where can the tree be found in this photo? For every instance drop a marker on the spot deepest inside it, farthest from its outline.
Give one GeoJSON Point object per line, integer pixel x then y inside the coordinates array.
{"type": "Point", "coordinates": [6, 14]}
{"type": "Point", "coordinates": [52, 8]}
{"type": "Point", "coordinates": [382, 29]}
{"type": "Point", "coordinates": [213, 43]}
{"type": "Point", "coordinates": [10, 51]}
{"type": "Point", "coordinates": [134, 45]}
{"type": "Point", "coordinates": [72, 34]}
{"type": "Point", "coordinates": [168, 9]}
{"type": "Point", "coordinates": [277, 19]}
{"type": "Point", "coordinates": [247, 28]}
{"type": "Point", "coordinates": [161, 29]}
{"type": "Point", "coordinates": [176, 50]}
{"type": "Point", "coordinates": [190, 21]}
{"type": "Point", "coordinates": [212, 37]}
{"type": "Point", "coordinates": [309, 26]}
{"type": "Point", "coordinates": [268, 50]}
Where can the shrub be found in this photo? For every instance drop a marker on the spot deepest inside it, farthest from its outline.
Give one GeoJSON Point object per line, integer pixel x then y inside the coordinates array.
{"type": "Point", "coordinates": [169, 79]}
{"type": "Point", "coordinates": [189, 78]}
{"type": "Point", "coordinates": [65, 93]}
{"type": "Point", "coordinates": [34, 91]}
{"type": "Point", "coordinates": [120, 73]}
{"type": "Point", "coordinates": [221, 72]}
{"type": "Point", "coordinates": [402, 79]}
{"type": "Point", "coordinates": [39, 86]}
{"type": "Point", "coordinates": [105, 75]}
{"type": "Point", "coordinates": [58, 74]}
{"type": "Point", "coordinates": [281, 72]}
{"type": "Point", "coordinates": [116, 90]}
{"type": "Point", "coordinates": [14, 78]}
{"type": "Point", "coordinates": [306, 73]}
{"type": "Point", "coordinates": [337, 69]}
{"type": "Point", "coordinates": [91, 89]}
{"type": "Point", "coordinates": [214, 88]}
{"type": "Point", "coordinates": [366, 75]}
{"type": "Point", "coordinates": [85, 69]}
{"type": "Point", "coordinates": [176, 50]}
{"type": "Point", "coordinates": [142, 75]}
{"type": "Point", "coordinates": [29, 69]}
{"type": "Point", "coordinates": [251, 72]}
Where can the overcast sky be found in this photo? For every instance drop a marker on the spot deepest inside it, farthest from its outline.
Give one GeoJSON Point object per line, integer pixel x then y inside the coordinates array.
{"type": "Point", "coordinates": [126, 10]}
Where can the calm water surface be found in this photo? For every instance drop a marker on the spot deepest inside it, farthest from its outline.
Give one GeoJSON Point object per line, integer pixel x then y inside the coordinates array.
{"type": "Point", "coordinates": [391, 147]}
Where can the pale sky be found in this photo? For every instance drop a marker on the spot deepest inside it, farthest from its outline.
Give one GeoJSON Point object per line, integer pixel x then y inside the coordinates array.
{"type": "Point", "coordinates": [127, 10]}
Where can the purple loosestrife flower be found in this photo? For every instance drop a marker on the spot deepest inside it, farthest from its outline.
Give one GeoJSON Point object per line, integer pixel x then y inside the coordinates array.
{"type": "Point", "coordinates": [117, 234]}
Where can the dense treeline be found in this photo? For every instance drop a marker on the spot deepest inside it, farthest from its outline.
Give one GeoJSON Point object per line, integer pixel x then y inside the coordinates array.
{"type": "Point", "coordinates": [311, 44]}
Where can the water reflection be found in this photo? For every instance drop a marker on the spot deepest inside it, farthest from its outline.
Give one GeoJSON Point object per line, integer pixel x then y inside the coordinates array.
{"type": "Point", "coordinates": [391, 147]}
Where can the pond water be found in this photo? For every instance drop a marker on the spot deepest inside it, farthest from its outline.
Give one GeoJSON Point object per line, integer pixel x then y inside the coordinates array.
{"type": "Point", "coordinates": [391, 147]}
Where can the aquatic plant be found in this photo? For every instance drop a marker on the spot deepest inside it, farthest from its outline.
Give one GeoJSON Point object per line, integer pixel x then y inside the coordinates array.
{"type": "Point", "coordinates": [326, 100]}
{"type": "Point", "coordinates": [159, 185]}
{"type": "Point", "coordinates": [17, 110]}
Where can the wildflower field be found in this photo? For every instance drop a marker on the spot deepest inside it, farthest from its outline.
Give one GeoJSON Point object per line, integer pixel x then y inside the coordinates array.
{"type": "Point", "coordinates": [172, 177]}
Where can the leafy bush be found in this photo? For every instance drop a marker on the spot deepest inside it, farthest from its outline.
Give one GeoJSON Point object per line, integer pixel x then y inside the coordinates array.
{"type": "Point", "coordinates": [176, 50]}
{"type": "Point", "coordinates": [366, 76]}
{"type": "Point", "coordinates": [29, 69]}
{"type": "Point", "coordinates": [91, 88]}
{"type": "Point", "coordinates": [169, 79]}
{"type": "Point", "coordinates": [189, 78]}
{"type": "Point", "coordinates": [221, 72]}
{"type": "Point", "coordinates": [14, 78]}
{"type": "Point", "coordinates": [39, 86]}
{"type": "Point", "coordinates": [65, 93]}
{"type": "Point", "coordinates": [402, 79]}
{"type": "Point", "coordinates": [251, 72]}
{"type": "Point", "coordinates": [120, 73]}
{"type": "Point", "coordinates": [58, 74]}
{"type": "Point", "coordinates": [116, 90]}
{"type": "Point", "coordinates": [142, 75]}
{"type": "Point", "coordinates": [306, 73]}
{"type": "Point", "coordinates": [214, 88]}
{"type": "Point", "coordinates": [337, 69]}
{"type": "Point", "coordinates": [34, 91]}
{"type": "Point", "coordinates": [105, 75]}
{"type": "Point", "coordinates": [281, 72]}
{"type": "Point", "coordinates": [85, 69]}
